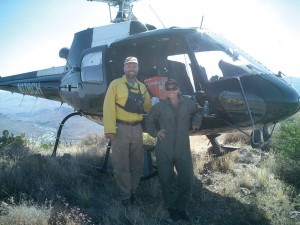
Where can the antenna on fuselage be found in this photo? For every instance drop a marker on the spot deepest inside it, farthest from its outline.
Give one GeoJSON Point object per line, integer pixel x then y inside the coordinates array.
{"type": "Point", "coordinates": [125, 9]}
{"type": "Point", "coordinates": [156, 16]}
{"type": "Point", "coordinates": [201, 22]}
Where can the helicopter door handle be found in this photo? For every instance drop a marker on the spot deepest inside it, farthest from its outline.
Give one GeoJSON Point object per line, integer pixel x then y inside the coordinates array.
{"type": "Point", "coordinates": [68, 86]}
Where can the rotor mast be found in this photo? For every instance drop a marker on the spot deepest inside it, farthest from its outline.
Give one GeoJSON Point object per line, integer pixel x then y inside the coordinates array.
{"type": "Point", "coordinates": [124, 12]}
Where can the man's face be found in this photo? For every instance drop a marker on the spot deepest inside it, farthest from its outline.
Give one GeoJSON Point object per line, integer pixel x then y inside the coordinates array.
{"type": "Point", "coordinates": [131, 70]}
{"type": "Point", "coordinates": [172, 91]}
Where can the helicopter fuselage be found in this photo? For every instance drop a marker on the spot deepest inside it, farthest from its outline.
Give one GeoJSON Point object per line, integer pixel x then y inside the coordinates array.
{"type": "Point", "coordinates": [241, 93]}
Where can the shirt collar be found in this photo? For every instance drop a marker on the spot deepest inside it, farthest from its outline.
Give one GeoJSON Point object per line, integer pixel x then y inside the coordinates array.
{"type": "Point", "coordinates": [179, 97]}
{"type": "Point", "coordinates": [125, 81]}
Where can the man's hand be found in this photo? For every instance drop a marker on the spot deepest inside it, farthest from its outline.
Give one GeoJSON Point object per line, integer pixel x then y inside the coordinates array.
{"type": "Point", "coordinates": [110, 136]}
{"type": "Point", "coordinates": [161, 134]}
{"type": "Point", "coordinates": [195, 128]}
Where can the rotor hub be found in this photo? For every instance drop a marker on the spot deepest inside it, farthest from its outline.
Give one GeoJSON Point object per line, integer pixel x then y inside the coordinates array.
{"type": "Point", "coordinates": [125, 9]}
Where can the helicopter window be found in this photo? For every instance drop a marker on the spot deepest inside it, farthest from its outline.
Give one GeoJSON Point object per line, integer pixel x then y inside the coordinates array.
{"type": "Point", "coordinates": [209, 60]}
{"type": "Point", "coordinates": [220, 65]}
{"type": "Point", "coordinates": [91, 68]}
{"type": "Point", "coordinates": [220, 58]}
{"type": "Point", "coordinates": [181, 71]}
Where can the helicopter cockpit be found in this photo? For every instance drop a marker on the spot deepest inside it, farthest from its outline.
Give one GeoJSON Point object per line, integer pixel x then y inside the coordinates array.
{"type": "Point", "coordinates": [222, 59]}
{"type": "Point", "coordinates": [193, 58]}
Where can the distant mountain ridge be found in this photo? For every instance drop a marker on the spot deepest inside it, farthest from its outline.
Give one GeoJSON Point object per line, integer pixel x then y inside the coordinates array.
{"type": "Point", "coordinates": [39, 119]}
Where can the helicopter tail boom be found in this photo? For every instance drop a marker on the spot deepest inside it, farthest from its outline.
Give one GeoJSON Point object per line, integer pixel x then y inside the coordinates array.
{"type": "Point", "coordinates": [42, 83]}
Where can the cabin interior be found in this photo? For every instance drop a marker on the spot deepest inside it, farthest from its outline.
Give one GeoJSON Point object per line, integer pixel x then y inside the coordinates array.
{"type": "Point", "coordinates": [162, 57]}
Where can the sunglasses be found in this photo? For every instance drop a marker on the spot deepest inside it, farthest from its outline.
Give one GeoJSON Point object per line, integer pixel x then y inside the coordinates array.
{"type": "Point", "coordinates": [171, 88]}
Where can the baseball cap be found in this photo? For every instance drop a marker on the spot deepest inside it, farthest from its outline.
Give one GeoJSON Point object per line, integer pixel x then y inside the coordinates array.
{"type": "Point", "coordinates": [131, 59]}
{"type": "Point", "coordinates": [171, 82]}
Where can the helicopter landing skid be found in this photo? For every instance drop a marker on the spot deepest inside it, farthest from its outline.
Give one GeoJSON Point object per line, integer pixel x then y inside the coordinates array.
{"type": "Point", "coordinates": [217, 149]}
{"type": "Point", "coordinates": [261, 138]}
{"type": "Point", "coordinates": [59, 131]}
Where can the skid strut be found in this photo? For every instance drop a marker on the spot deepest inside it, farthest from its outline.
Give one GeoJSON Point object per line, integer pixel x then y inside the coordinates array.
{"type": "Point", "coordinates": [217, 148]}
{"type": "Point", "coordinates": [59, 130]}
{"type": "Point", "coordinates": [103, 168]}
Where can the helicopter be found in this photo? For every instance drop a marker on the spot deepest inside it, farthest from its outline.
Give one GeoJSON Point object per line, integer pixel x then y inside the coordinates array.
{"type": "Point", "coordinates": [233, 90]}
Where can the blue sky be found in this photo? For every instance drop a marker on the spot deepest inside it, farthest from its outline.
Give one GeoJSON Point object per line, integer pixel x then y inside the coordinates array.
{"type": "Point", "coordinates": [32, 32]}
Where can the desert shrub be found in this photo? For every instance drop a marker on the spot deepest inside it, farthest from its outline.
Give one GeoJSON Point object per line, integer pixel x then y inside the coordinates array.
{"type": "Point", "coordinates": [225, 163]}
{"type": "Point", "coordinates": [8, 138]}
{"type": "Point", "coordinates": [93, 140]}
{"type": "Point", "coordinates": [25, 213]}
{"type": "Point", "coordinates": [236, 137]}
{"type": "Point", "coordinates": [12, 147]}
{"type": "Point", "coordinates": [46, 146]}
{"type": "Point", "coordinates": [288, 170]}
{"type": "Point", "coordinates": [287, 139]}
{"type": "Point", "coordinates": [66, 214]}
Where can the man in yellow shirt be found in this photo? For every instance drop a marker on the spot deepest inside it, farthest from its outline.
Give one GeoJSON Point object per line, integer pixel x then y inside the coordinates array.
{"type": "Point", "coordinates": [126, 100]}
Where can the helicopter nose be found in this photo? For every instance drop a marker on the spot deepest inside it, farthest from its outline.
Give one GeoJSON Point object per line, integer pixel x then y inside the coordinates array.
{"type": "Point", "coordinates": [278, 100]}
{"type": "Point", "coordinates": [298, 102]}
{"type": "Point", "coordinates": [287, 98]}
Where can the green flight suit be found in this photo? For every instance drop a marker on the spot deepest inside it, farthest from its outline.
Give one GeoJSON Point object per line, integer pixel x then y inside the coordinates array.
{"type": "Point", "coordinates": [174, 149]}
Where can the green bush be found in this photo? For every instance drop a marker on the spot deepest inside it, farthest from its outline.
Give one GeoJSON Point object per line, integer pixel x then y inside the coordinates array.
{"type": "Point", "coordinates": [287, 139]}
{"type": "Point", "coordinates": [8, 138]}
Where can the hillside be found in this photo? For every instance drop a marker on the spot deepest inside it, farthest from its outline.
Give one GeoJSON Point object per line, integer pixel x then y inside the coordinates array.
{"type": "Point", "coordinates": [239, 188]}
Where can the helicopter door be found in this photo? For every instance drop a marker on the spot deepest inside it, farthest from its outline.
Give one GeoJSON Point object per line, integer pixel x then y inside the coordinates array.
{"type": "Point", "coordinates": [93, 78]}
{"type": "Point", "coordinates": [92, 67]}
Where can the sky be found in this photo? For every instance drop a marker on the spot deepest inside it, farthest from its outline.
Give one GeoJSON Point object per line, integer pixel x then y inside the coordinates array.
{"type": "Point", "coordinates": [32, 32]}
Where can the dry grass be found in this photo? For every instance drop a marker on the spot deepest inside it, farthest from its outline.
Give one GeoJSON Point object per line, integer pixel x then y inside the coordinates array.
{"type": "Point", "coordinates": [239, 188]}
{"type": "Point", "coordinates": [236, 138]}
{"type": "Point", "coordinates": [25, 213]}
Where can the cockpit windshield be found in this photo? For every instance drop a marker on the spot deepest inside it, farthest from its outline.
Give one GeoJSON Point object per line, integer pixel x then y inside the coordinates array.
{"type": "Point", "coordinates": [220, 58]}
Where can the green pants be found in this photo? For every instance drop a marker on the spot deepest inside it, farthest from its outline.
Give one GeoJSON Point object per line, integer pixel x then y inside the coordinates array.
{"type": "Point", "coordinates": [127, 158]}
{"type": "Point", "coordinates": [176, 195]}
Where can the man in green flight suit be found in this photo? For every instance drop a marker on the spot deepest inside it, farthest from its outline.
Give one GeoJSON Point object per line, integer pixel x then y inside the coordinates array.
{"type": "Point", "coordinates": [173, 147]}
